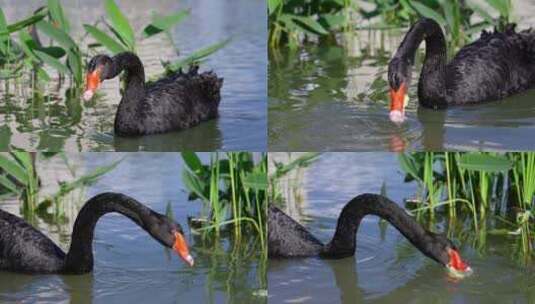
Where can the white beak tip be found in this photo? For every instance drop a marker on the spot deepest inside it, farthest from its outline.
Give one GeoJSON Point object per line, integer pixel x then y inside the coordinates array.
{"type": "Point", "coordinates": [397, 117]}
{"type": "Point", "coordinates": [88, 95]}
{"type": "Point", "coordinates": [189, 260]}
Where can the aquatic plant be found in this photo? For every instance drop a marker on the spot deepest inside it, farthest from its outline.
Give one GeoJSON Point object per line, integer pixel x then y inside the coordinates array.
{"type": "Point", "coordinates": [19, 177]}
{"type": "Point", "coordinates": [479, 186]}
{"type": "Point", "coordinates": [281, 170]}
{"type": "Point", "coordinates": [454, 16]}
{"type": "Point", "coordinates": [233, 190]}
{"type": "Point", "coordinates": [123, 37]}
{"type": "Point", "coordinates": [291, 22]}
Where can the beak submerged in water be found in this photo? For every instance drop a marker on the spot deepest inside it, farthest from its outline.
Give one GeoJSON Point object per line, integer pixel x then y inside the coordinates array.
{"type": "Point", "coordinates": [457, 267]}
{"type": "Point", "coordinates": [398, 101]}
{"type": "Point", "coordinates": [92, 83]}
{"type": "Point", "coordinates": [181, 248]}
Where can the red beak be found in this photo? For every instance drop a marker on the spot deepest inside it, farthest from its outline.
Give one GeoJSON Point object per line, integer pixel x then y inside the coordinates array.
{"type": "Point", "coordinates": [397, 103]}
{"type": "Point", "coordinates": [92, 83]}
{"type": "Point", "coordinates": [181, 247]}
{"type": "Point", "coordinates": [456, 262]}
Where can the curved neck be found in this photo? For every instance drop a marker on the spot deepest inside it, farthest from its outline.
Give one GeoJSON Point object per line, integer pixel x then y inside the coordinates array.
{"type": "Point", "coordinates": [343, 243]}
{"type": "Point", "coordinates": [79, 259]}
{"type": "Point", "coordinates": [134, 74]}
{"type": "Point", "coordinates": [432, 82]}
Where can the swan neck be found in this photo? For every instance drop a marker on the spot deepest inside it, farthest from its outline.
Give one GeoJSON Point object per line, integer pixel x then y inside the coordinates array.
{"type": "Point", "coordinates": [433, 75]}
{"type": "Point", "coordinates": [79, 259]}
{"type": "Point", "coordinates": [134, 74]}
{"type": "Point", "coordinates": [343, 243]}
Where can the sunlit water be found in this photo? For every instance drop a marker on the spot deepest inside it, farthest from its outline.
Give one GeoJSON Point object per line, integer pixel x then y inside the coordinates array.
{"type": "Point", "coordinates": [130, 266]}
{"type": "Point", "coordinates": [386, 267]}
{"type": "Point", "coordinates": [53, 122]}
{"type": "Point", "coordinates": [335, 98]}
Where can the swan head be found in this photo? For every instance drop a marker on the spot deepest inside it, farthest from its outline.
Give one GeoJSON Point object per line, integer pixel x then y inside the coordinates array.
{"type": "Point", "coordinates": [399, 78]}
{"type": "Point", "coordinates": [98, 69]}
{"type": "Point", "coordinates": [443, 250]}
{"type": "Point", "coordinates": [171, 235]}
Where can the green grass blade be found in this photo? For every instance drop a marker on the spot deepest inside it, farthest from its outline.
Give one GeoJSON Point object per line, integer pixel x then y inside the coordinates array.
{"type": "Point", "coordinates": [120, 23]}
{"type": "Point", "coordinates": [9, 185]}
{"type": "Point", "coordinates": [256, 181]}
{"type": "Point", "coordinates": [484, 162]}
{"type": "Point", "coordinates": [428, 13]}
{"type": "Point", "coordinates": [51, 61]}
{"type": "Point", "coordinates": [56, 11]}
{"type": "Point", "coordinates": [272, 5]}
{"type": "Point", "coordinates": [192, 161]}
{"type": "Point", "coordinates": [57, 34]}
{"type": "Point", "coordinates": [54, 51]}
{"type": "Point", "coordinates": [3, 29]}
{"type": "Point", "coordinates": [164, 23]}
{"type": "Point", "coordinates": [309, 23]}
{"type": "Point", "coordinates": [197, 55]}
{"type": "Point", "coordinates": [75, 64]}
{"type": "Point", "coordinates": [105, 39]}
{"type": "Point", "coordinates": [15, 27]}
{"type": "Point", "coordinates": [12, 168]}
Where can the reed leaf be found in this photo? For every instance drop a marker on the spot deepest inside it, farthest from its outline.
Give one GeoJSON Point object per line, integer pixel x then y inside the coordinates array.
{"type": "Point", "coordinates": [119, 23]}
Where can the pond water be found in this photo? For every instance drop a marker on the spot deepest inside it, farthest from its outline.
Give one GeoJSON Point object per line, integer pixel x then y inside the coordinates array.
{"type": "Point", "coordinates": [50, 121]}
{"type": "Point", "coordinates": [386, 267]}
{"type": "Point", "coordinates": [130, 266]}
{"type": "Point", "coordinates": [335, 98]}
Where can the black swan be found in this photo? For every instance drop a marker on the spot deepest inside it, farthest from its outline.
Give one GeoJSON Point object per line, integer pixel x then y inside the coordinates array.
{"type": "Point", "coordinates": [25, 249]}
{"type": "Point", "coordinates": [497, 65]}
{"type": "Point", "coordinates": [176, 102]}
{"type": "Point", "coordinates": [287, 238]}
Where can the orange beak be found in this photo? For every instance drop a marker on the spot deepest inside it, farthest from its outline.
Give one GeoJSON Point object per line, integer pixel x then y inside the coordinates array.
{"type": "Point", "coordinates": [92, 83]}
{"type": "Point", "coordinates": [181, 247]}
{"type": "Point", "coordinates": [456, 262]}
{"type": "Point", "coordinates": [397, 104]}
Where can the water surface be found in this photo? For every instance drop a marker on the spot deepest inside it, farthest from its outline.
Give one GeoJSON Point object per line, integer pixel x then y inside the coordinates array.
{"type": "Point", "coordinates": [386, 267]}
{"type": "Point", "coordinates": [130, 266]}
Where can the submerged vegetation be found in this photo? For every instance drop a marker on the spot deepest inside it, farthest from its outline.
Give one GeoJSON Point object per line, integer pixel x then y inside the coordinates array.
{"type": "Point", "coordinates": [294, 22]}
{"type": "Point", "coordinates": [480, 187]}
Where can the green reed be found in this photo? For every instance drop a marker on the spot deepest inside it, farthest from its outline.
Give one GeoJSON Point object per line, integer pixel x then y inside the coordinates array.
{"type": "Point", "coordinates": [122, 37]}
{"type": "Point", "coordinates": [293, 22]}
{"type": "Point", "coordinates": [456, 17]}
{"type": "Point", "coordinates": [476, 185]}
{"type": "Point", "coordinates": [19, 178]}
{"type": "Point", "coordinates": [233, 189]}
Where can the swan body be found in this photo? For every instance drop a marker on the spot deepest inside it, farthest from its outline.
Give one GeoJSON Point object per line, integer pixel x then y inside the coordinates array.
{"type": "Point", "coordinates": [176, 102]}
{"type": "Point", "coordinates": [25, 249]}
{"type": "Point", "coordinates": [497, 65]}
